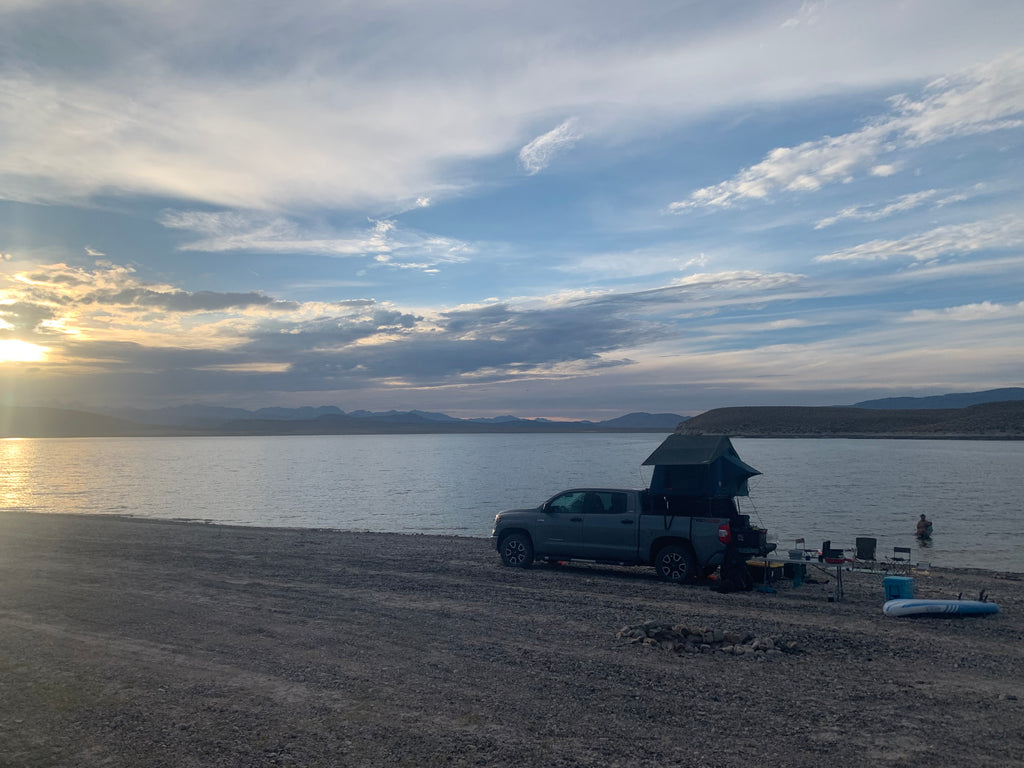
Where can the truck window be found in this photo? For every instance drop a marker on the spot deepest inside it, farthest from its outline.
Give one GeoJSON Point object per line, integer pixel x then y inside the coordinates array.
{"type": "Point", "coordinates": [605, 503]}
{"type": "Point", "coordinates": [568, 502]}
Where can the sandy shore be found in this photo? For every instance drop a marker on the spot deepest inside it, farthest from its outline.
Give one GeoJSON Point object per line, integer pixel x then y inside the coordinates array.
{"type": "Point", "coordinates": [136, 643]}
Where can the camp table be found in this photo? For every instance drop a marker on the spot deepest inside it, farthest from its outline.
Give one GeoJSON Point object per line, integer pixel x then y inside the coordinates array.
{"type": "Point", "coordinates": [768, 562]}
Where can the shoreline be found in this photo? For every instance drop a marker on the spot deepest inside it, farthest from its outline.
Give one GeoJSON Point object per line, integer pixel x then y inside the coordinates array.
{"type": "Point", "coordinates": [140, 642]}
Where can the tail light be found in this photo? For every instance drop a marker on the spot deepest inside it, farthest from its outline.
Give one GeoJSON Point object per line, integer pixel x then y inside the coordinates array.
{"type": "Point", "coordinates": [724, 533]}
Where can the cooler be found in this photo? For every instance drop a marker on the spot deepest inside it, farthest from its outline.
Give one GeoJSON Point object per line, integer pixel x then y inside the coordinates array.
{"type": "Point", "coordinates": [898, 587]}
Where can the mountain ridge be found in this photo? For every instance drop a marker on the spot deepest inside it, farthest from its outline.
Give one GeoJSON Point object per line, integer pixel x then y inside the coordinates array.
{"type": "Point", "coordinates": [39, 421]}
{"type": "Point", "coordinates": [952, 400]}
{"type": "Point", "coordinates": [982, 415]}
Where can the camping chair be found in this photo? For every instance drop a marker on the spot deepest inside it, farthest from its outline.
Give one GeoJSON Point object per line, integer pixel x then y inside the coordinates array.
{"type": "Point", "coordinates": [865, 554]}
{"type": "Point", "coordinates": [830, 555]}
{"type": "Point", "coordinates": [900, 563]}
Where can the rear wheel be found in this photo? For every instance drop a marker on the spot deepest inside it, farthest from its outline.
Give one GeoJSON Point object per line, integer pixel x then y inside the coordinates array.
{"type": "Point", "coordinates": [676, 563]}
{"type": "Point", "coordinates": [516, 550]}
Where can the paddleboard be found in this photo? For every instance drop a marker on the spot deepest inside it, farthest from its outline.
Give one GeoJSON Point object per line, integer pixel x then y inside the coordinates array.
{"type": "Point", "coordinates": [914, 607]}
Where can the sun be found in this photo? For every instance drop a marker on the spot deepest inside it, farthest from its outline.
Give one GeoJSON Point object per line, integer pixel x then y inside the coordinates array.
{"type": "Point", "coordinates": [14, 351]}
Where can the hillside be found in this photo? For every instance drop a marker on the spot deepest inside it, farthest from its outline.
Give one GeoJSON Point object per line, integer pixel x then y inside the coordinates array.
{"type": "Point", "coordinates": [986, 421]}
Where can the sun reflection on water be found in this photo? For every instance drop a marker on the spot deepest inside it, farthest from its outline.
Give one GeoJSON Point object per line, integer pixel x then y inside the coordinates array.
{"type": "Point", "coordinates": [14, 486]}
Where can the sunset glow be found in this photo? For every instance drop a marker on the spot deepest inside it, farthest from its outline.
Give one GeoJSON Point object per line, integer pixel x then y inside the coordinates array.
{"type": "Point", "coordinates": [665, 207]}
{"type": "Point", "coordinates": [14, 351]}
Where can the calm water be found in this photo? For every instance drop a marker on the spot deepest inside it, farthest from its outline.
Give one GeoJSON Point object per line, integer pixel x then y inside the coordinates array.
{"type": "Point", "coordinates": [815, 489]}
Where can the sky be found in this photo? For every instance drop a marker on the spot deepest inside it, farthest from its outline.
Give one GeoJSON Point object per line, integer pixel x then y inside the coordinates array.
{"type": "Point", "coordinates": [559, 209]}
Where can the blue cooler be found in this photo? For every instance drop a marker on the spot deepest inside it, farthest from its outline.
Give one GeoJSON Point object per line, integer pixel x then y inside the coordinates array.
{"type": "Point", "coordinates": [898, 587]}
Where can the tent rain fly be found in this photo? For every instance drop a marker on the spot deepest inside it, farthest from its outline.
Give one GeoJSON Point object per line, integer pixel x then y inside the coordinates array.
{"type": "Point", "coordinates": [699, 465]}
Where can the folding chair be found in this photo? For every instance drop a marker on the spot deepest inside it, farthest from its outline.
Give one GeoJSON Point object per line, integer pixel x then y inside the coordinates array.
{"type": "Point", "coordinates": [866, 549]}
{"type": "Point", "coordinates": [864, 553]}
{"type": "Point", "coordinates": [901, 560]}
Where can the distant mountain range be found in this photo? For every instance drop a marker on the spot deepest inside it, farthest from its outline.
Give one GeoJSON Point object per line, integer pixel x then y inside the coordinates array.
{"type": "Point", "coordinates": [957, 400]}
{"type": "Point", "coordinates": [995, 413]}
{"type": "Point", "coordinates": [325, 420]}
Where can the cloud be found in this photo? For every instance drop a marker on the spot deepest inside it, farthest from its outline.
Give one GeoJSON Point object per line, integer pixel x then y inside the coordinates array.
{"type": "Point", "coordinates": [381, 241]}
{"type": "Point", "coordinates": [292, 106]}
{"type": "Point", "coordinates": [878, 211]}
{"type": "Point", "coordinates": [979, 100]}
{"type": "Point", "coordinates": [982, 311]}
{"type": "Point", "coordinates": [809, 14]}
{"type": "Point", "coordinates": [635, 264]}
{"type": "Point", "coordinates": [108, 302]}
{"type": "Point", "coordinates": [237, 231]}
{"type": "Point", "coordinates": [24, 315]}
{"type": "Point", "coordinates": [183, 301]}
{"type": "Point", "coordinates": [887, 169]}
{"type": "Point", "coordinates": [951, 240]}
{"type": "Point", "coordinates": [104, 319]}
{"type": "Point", "coordinates": [113, 337]}
{"type": "Point", "coordinates": [538, 154]}
{"type": "Point", "coordinates": [803, 168]}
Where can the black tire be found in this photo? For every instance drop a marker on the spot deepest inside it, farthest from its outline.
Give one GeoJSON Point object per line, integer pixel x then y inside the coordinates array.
{"type": "Point", "coordinates": [516, 550]}
{"type": "Point", "coordinates": [677, 563]}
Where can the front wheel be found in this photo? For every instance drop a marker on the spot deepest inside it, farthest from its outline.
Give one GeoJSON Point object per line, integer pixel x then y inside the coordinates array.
{"type": "Point", "coordinates": [676, 563]}
{"type": "Point", "coordinates": [516, 550]}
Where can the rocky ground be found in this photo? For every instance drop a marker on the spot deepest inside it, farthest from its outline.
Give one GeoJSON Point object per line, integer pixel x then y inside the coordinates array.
{"type": "Point", "coordinates": [135, 643]}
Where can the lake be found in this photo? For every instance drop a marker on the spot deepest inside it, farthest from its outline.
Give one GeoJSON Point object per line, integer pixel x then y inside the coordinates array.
{"type": "Point", "coordinates": [454, 484]}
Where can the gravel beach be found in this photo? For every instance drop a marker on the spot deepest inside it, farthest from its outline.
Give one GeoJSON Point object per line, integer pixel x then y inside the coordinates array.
{"type": "Point", "coordinates": [127, 642]}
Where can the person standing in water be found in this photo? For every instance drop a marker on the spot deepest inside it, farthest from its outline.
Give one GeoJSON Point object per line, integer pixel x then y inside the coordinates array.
{"type": "Point", "coordinates": [924, 528]}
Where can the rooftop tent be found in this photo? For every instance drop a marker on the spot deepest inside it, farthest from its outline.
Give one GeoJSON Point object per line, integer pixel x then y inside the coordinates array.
{"type": "Point", "coordinates": [699, 465]}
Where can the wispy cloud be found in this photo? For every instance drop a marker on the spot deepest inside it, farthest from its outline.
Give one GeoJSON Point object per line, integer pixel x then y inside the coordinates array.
{"type": "Point", "coordinates": [307, 105]}
{"type": "Point", "coordinates": [809, 14]}
{"type": "Point", "coordinates": [877, 211]}
{"type": "Point", "coordinates": [980, 100]}
{"type": "Point", "coordinates": [635, 264]}
{"type": "Point", "coordinates": [381, 241]}
{"type": "Point", "coordinates": [951, 240]}
{"type": "Point", "coordinates": [982, 311]}
{"type": "Point", "coordinates": [538, 154]}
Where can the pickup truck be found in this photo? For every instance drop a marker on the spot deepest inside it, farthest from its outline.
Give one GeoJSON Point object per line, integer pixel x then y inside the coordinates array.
{"type": "Point", "coordinates": [683, 538]}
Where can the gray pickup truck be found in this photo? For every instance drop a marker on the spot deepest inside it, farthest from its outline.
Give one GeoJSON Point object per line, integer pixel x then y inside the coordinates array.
{"type": "Point", "coordinates": [683, 538]}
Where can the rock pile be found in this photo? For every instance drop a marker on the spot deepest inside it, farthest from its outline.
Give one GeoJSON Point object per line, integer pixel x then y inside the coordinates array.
{"type": "Point", "coordinates": [683, 639]}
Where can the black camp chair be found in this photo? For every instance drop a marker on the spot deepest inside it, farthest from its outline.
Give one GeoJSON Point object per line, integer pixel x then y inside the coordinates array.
{"type": "Point", "coordinates": [828, 554]}
{"type": "Point", "coordinates": [866, 546]}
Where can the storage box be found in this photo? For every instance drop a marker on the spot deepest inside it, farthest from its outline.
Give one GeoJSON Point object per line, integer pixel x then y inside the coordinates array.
{"type": "Point", "coordinates": [898, 587]}
{"type": "Point", "coordinates": [794, 571]}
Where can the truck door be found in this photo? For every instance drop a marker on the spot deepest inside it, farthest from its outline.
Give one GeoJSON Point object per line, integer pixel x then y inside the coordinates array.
{"type": "Point", "coordinates": [609, 526]}
{"type": "Point", "coordinates": [560, 527]}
